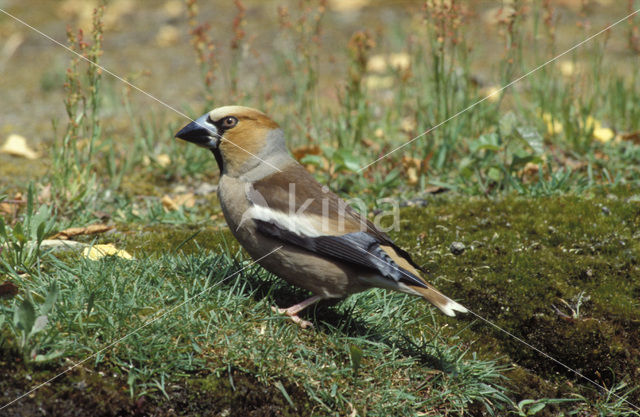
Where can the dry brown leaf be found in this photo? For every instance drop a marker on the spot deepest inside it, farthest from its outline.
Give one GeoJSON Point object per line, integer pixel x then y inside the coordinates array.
{"type": "Point", "coordinates": [8, 289]}
{"type": "Point", "coordinates": [168, 203]}
{"type": "Point", "coordinates": [631, 136]}
{"type": "Point", "coordinates": [374, 146]}
{"type": "Point", "coordinates": [302, 151]}
{"type": "Point", "coordinates": [16, 145]}
{"type": "Point", "coordinates": [529, 173]}
{"type": "Point", "coordinates": [76, 231]}
{"type": "Point", "coordinates": [187, 199]}
{"type": "Point", "coordinates": [171, 204]}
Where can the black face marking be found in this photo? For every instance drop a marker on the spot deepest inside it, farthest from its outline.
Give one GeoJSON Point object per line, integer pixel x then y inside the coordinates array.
{"type": "Point", "coordinates": [226, 123]}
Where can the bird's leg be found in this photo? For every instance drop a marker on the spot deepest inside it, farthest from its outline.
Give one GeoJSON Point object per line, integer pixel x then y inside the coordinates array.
{"type": "Point", "coordinates": [293, 311]}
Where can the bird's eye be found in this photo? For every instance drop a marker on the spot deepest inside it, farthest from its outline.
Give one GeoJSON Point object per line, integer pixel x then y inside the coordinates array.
{"type": "Point", "coordinates": [229, 122]}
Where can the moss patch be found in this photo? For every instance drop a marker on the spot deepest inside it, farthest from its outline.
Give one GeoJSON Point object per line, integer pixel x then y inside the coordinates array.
{"type": "Point", "coordinates": [562, 273]}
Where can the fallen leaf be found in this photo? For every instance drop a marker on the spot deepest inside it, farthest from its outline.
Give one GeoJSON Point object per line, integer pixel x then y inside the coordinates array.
{"type": "Point", "coordinates": [372, 145]}
{"type": "Point", "coordinates": [187, 199]}
{"type": "Point", "coordinates": [347, 5]}
{"type": "Point", "coordinates": [302, 151]}
{"type": "Point", "coordinates": [163, 160]}
{"type": "Point", "coordinates": [168, 203]}
{"type": "Point", "coordinates": [173, 8]}
{"type": "Point", "coordinates": [167, 35]}
{"type": "Point", "coordinates": [529, 173]}
{"type": "Point", "coordinates": [492, 93]}
{"type": "Point", "coordinates": [380, 63]}
{"type": "Point", "coordinates": [377, 63]}
{"type": "Point", "coordinates": [8, 289]}
{"type": "Point", "coordinates": [408, 124]}
{"type": "Point", "coordinates": [76, 231]}
{"type": "Point", "coordinates": [412, 176]}
{"type": "Point", "coordinates": [554, 126]}
{"type": "Point", "coordinates": [631, 136]}
{"type": "Point", "coordinates": [96, 252]}
{"type": "Point", "coordinates": [378, 82]}
{"type": "Point", "coordinates": [16, 145]}
{"type": "Point", "coordinates": [567, 68]}
{"type": "Point", "coordinates": [603, 134]}
{"type": "Point", "coordinates": [171, 204]}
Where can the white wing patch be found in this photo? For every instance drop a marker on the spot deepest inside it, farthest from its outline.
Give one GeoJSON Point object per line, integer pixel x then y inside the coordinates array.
{"type": "Point", "coordinates": [302, 225]}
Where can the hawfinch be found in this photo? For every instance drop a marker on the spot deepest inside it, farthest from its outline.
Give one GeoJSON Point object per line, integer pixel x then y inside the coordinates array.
{"type": "Point", "coordinates": [293, 226]}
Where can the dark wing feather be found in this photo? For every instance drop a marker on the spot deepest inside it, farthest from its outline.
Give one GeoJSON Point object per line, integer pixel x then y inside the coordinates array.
{"type": "Point", "coordinates": [359, 248]}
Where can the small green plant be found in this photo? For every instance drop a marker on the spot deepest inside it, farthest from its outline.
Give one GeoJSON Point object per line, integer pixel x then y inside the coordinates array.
{"type": "Point", "coordinates": [27, 323]}
{"type": "Point", "coordinates": [20, 243]}
{"type": "Point", "coordinates": [497, 159]}
{"type": "Point", "coordinates": [73, 178]}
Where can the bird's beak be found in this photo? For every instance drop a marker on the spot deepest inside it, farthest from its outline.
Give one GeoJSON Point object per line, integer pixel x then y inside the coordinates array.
{"type": "Point", "coordinates": [201, 132]}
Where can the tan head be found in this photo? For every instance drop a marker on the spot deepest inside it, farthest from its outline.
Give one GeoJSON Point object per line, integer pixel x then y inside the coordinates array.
{"type": "Point", "coordinates": [241, 138]}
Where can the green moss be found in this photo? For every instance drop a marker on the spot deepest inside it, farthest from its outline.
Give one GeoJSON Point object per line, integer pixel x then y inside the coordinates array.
{"type": "Point", "coordinates": [560, 273]}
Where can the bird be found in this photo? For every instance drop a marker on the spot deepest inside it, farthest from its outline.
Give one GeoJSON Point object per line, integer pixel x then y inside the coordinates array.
{"type": "Point", "coordinates": [293, 226]}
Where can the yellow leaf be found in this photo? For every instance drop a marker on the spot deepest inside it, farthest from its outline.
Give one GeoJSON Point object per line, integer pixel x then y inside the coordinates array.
{"type": "Point", "coordinates": [163, 160]}
{"type": "Point", "coordinates": [567, 68]}
{"type": "Point", "coordinates": [408, 124]}
{"type": "Point", "coordinates": [412, 176]}
{"type": "Point", "coordinates": [96, 252]}
{"type": "Point", "coordinates": [553, 125]}
{"type": "Point", "coordinates": [592, 123]}
{"type": "Point", "coordinates": [377, 82]}
{"type": "Point", "coordinates": [603, 134]}
{"type": "Point", "coordinates": [491, 93]}
{"type": "Point", "coordinates": [16, 145]}
{"type": "Point", "coordinates": [380, 63]}
{"type": "Point", "coordinates": [348, 5]}
{"type": "Point", "coordinates": [377, 63]}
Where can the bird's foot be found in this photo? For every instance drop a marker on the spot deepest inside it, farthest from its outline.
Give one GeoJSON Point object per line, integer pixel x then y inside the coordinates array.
{"type": "Point", "coordinates": [293, 315]}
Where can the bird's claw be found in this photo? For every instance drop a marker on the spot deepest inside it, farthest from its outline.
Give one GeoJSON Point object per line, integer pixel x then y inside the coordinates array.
{"type": "Point", "coordinates": [293, 316]}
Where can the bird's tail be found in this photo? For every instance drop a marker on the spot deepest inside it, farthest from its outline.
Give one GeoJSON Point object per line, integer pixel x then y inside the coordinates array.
{"type": "Point", "coordinates": [435, 297]}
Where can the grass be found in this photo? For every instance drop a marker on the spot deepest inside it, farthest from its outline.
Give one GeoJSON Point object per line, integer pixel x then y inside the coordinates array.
{"type": "Point", "coordinates": [545, 201]}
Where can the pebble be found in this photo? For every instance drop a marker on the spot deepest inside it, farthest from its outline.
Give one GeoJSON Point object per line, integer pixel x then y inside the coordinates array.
{"type": "Point", "coordinates": [457, 248]}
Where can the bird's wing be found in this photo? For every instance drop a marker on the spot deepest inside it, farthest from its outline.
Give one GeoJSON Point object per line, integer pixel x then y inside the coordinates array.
{"type": "Point", "coordinates": [293, 207]}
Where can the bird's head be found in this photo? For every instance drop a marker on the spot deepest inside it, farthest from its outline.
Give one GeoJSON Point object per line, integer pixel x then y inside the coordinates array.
{"type": "Point", "coordinates": [241, 138]}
